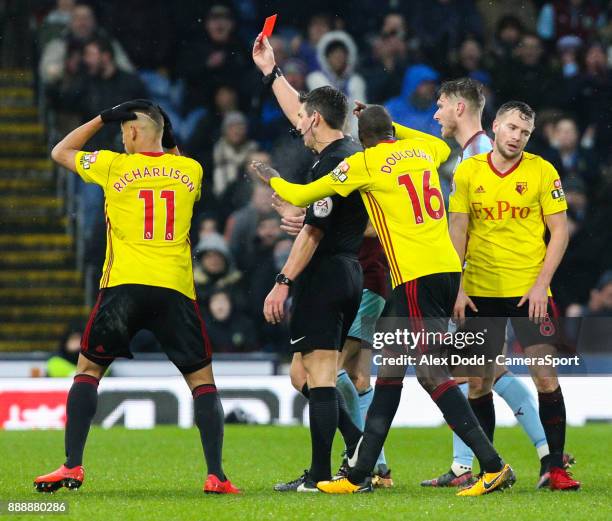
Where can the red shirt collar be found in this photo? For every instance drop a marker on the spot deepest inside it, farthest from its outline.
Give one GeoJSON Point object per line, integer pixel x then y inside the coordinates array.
{"type": "Point", "coordinates": [152, 154]}
{"type": "Point", "coordinates": [387, 140]}
{"type": "Point", "coordinates": [507, 172]}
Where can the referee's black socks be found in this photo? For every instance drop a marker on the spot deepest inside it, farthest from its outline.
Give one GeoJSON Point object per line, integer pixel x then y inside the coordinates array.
{"type": "Point", "coordinates": [552, 416]}
{"type": "Point", "coordinates": [461, 419]}
{"type": "Point", "coordinates": [323, 411]}
{"type": "Point", "coordinates": [350, 432]}
{"type": "Point", "coordinates": [208, 416]}
{"type": "Point", "coordinates": [80, 409]}
{"type": "Point", "coordinates": [387, 395]}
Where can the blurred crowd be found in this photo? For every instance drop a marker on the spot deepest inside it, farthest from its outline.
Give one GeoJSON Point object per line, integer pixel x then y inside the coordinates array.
{"type": "Point", "coordinates": [195, 61]}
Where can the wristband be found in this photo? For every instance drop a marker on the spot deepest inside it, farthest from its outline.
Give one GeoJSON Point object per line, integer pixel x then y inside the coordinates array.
{"type": "Point", "coordinates": [268, 79]}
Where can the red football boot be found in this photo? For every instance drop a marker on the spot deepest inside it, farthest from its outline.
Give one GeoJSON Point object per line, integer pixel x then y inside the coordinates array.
{"type": "Point", "coordinates": [214, 485]}
{"type": "Point", "coordinates": [63, 477]}
{"type": "Point", "coordinates": [560, 479]}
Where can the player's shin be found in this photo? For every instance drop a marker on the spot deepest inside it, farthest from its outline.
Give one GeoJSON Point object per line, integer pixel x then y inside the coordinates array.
{"type": "Point", "coordinates": [552, 415]}
{"type": "Point", "coordinates": [350, 432]}
{"type": "Point", "coordinates": [351, 397]}
{"type": "Point", "coordinates": [485, 413]}
{"type": "Point", "coordinates": [462, 454]}
{"type": "Point", "coordinates": [80, 410]}
{"type": "Point", "coordinates": [208, 416]}
{"type": "Point", "coordinates": [521, 400]}
{"type": "Point", "coordinates": [463, 422]}
{"type": "Point", "coordinates": [385, 402]}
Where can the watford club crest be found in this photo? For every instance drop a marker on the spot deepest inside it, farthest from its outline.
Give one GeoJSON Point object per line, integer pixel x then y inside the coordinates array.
{"type": "Point", "coordinates": [521, 187]}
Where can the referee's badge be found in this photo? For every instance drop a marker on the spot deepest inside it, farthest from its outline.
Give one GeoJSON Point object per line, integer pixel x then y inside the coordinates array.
{"type": "Point", "coordinates": [323, 207]}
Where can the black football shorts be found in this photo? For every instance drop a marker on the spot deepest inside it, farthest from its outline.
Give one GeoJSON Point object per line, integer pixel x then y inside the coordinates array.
{"type": "Point", "coordinates": [494, 313]}
{"type": "Point", "coordinates": [121, 311]}
{"type": "Point", "coordinates": [326, 298]}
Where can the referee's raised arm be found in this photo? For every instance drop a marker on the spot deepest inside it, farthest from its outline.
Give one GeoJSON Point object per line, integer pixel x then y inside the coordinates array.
{"type": "Point", "coordinates": [288, 98]}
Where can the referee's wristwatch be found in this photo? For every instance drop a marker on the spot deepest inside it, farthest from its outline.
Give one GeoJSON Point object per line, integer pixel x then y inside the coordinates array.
{"type": "Point", "coordinates": [268, 79]}
{"type": "Point", "coordinates": [281, 278]}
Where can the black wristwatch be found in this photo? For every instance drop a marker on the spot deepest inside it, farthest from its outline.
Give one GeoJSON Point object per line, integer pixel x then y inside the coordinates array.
{"type": "Point", "coordinates": [268, 79]}
{"type": "Point", "coordinates": [282, 279]}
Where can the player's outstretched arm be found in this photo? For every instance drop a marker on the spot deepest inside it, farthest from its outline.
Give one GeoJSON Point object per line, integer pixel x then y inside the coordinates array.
{"type": "Point", "coordinates": [303, 195]}
{"type": "Point", "coordinates": [287, 97]}
{"type": "Point", "coordinates": [442, 150]}
{"type": "Point", "coordinates": [292, 217]}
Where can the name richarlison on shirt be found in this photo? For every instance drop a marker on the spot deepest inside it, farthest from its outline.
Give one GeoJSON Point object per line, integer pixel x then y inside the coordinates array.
{"type": "Point", "coordinates": [137, 175]}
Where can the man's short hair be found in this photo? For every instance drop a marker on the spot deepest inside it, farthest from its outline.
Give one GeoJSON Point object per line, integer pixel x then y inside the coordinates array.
{"type": "Point", "coordinates": [467, 88]}
{"type": "Point", "coordinates": [331, 103]}
{"type": "Point", "coordinates": [375, 123]}
{"type": "Point", "coordinates": [521, 106]}
{"type": "Point", "coordinates": [153, 113]}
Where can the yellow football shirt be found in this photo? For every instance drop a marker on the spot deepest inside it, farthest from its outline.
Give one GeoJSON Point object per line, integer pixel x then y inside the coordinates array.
{"type": "Point", "coordinates": [506, 248]}
{"type": "Point", "coordinates": [399, 184]}
{"type": "Point", "coordinates": [149, 204]}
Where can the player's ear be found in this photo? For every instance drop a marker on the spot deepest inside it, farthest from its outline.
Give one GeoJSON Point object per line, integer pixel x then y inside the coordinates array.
{"type": "Point", "coordinates": [316, 118]}
{"type": "Point", "coordinates": [460, 108]}
{"type": "Point", "coordinates": [495, 126]}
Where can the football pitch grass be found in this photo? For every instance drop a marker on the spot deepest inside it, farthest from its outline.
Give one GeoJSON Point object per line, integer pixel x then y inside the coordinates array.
{"type": "Point", "coordinates": [158, 474]}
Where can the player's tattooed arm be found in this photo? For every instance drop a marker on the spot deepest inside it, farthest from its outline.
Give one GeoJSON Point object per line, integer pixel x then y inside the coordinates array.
{"type": "Point", "coordinates": [65, 151]}
{"type": "Point", "coordinates": [264, 171]}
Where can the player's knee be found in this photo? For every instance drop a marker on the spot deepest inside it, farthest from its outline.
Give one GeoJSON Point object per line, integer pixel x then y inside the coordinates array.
{"type": "Point", "coordinates": [427, 382]}
{"type": "Point", "coordinates": [203, 376]}
{"type": "Point", "coordinates": [298, 381]}
{"type": "Point", "coordinates": [86, 366]}
{"type": "Point", "coordinates": [546, 384]}
{"type": "Point", "coordinates": [361, 381]}
{"type": "Point", "coordinates": [479, 387]}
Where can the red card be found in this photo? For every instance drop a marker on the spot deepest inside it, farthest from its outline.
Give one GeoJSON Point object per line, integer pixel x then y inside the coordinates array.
{"type": "Point", "coordinates": [269, 26]}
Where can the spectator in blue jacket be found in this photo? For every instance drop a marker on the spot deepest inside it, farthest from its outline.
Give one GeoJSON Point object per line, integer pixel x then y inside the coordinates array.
{"type": "Point", "coordinates": [416, 104]}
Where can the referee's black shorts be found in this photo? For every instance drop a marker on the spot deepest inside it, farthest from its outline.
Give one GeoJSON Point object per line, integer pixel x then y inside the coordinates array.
{"type": "Point", "coordinates": [121, 311]}
{"type": "Point", "coordinates": [326, 298]}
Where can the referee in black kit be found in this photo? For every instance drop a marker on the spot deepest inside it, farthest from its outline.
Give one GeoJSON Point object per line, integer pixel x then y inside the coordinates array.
{"type": "Point", "coordinates": [324, 265]}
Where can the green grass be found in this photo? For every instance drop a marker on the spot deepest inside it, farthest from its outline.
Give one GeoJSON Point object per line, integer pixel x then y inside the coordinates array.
{"type": "Point", "coordinates": [158, 474]}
